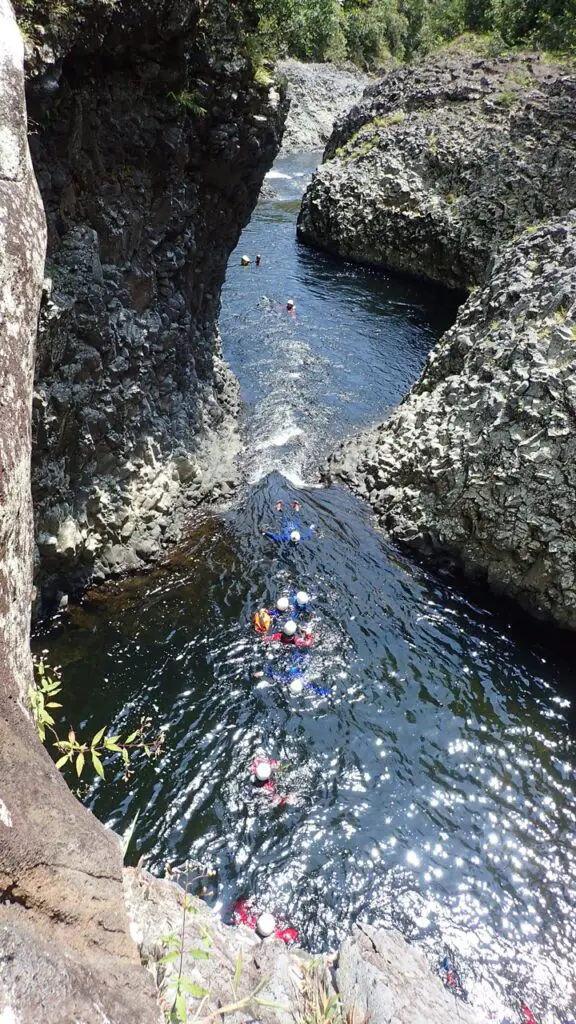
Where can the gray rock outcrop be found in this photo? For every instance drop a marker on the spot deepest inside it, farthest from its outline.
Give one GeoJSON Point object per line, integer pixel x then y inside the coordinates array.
{"type": "Point", "coordinates": [150, 140]}
{"type": "Point", "coordinates": [381, 978]}
{"type": "Point", "coordinates": [479, 459]}
{"type": "Point", "coordinates": [461, 170]}
{"type": "Point", "coordinates": [376, 976]}
{"type": "Point", "coordinates": [65, 950]}
{"type": "Point", "coordinates": [318, 94]}
{"type": "Point", "coordinates": [443, 162]}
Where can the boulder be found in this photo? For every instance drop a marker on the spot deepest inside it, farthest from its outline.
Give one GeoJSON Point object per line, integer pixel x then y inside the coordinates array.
{"type": "Point", "coordinates": [442, 162]}
{"type": "Point", "coordinates": [383, 980]}
{"type": "Point", "coordinates": [479, 460]}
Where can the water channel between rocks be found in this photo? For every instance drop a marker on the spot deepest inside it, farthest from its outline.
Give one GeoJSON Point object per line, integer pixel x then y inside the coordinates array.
{"type": "Point", "coordinates": [434, 787]}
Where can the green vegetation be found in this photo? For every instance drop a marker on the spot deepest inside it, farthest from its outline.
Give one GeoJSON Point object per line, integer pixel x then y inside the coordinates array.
{"type": "Point", "coordinates": [379, 33]}
{"type": "Point", "coordinates": [189, 99]}
{"type": "Point", "coordinates": [47, 685]}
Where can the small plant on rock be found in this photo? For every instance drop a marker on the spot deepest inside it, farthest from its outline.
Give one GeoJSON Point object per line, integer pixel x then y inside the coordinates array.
{"type": "Point", "coordinates": [47, 685]}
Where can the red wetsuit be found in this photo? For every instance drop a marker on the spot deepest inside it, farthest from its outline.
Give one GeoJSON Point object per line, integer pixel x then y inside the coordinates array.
{"type": "Point", "coordinates": [243, 914]}
{"type": "Point", "coordinates": [296, 641]}
{"type": "Point", "coordinates": [269, 786]}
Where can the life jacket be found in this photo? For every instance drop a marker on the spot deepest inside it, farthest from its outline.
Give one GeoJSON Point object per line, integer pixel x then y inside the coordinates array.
{"type": "Point", "coordinates": [262, 620]}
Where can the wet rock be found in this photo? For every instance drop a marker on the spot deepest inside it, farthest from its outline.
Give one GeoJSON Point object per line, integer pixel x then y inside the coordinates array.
{"type": "Point", "coordinates": [478, 461]}
{"type": "Point", "coordinates": [318, 94]}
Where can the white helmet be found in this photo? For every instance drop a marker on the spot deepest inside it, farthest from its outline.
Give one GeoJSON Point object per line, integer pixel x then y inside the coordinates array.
{"type": "Point", "coordinates": [302, 599]}
{"type": "Point", "coordinates": [296, 685]}
{"type": "Point", "coordinates": [295, 536]}
{"type": "Point", "coordinates": [263, 771]}
{"type": "Point", "coordinates": [265, 925]}
{"type": "Point", "coordinates": [282, 604]}
{"type": "Point", "coordinates": [289, 628]}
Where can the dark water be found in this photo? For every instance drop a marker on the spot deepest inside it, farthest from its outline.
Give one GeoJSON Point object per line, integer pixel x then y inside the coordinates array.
{"type": "Point", "coordinates": [434, 786]}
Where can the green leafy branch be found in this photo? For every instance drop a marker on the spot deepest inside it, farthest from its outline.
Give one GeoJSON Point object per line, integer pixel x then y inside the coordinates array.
{"type": "Point", "coordinates": [47, 685]}
{"type": "Point", "coordinates": [189, 100]}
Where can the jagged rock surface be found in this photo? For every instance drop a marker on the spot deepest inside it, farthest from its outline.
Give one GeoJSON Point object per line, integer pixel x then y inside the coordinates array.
{"type": "Point", "coordinates": [442, 162]}
{"type": "Point", "coordinates": [150, 142]}
{"type": "Point", "coordinates": [155, 910]}
{"type": "Point", "coordinates": [479, 460]}
{"type": "Point", "coordinates": [318, 94]}
{"type": "Point", "coordinates": [379, 977]}
{"type": "Point", "coordinates": [65, 951]}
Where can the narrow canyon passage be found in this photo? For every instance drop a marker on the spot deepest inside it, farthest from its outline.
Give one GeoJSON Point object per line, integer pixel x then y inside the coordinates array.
{"type": "Point", "coordinates": [433, 787]}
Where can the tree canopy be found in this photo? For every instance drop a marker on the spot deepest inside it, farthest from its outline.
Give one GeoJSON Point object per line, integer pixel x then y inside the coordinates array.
{"type": "Point", "coordinates": [371, 32]}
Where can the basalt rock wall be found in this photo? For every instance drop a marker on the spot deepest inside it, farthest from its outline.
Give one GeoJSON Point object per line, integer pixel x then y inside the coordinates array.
{"type": "Point", "coordinates": [150, 138]}
{"type": "Point", "coordinates": [65, 951]}
{"type": "Point", "coordinates": [443, 162]}
{"type": "Point", "coordinates": [462, 170]}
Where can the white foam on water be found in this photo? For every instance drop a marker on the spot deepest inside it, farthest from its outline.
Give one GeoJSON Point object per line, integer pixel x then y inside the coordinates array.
{"type": "Point", "coordinates": [278, 174]}
{"type": "Point", "coordinates": [279, 440]}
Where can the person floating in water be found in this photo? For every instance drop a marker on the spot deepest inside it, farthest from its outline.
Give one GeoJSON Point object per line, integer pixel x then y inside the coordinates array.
{"type": "Point", "coordinates": [300, 603]}
{"type": "Point", "coordinates": [262, 770]}
{"type": "Point", "coordinates": [289, 635]}
{"type": "Point", "coordinates": [273, 306]}
{"type": "Point", "coordinates": [293, 678]}
{"type": "Point", "coordinates": [264, 924]}
{"type": "Point", "coordinates": [258, 259]}
{"type": "Point", "coordinates": [262, 619]}
{"type": "Point", "coordinates": [245, 261]}
{"type": "Point", "coordinates": [291, 529]}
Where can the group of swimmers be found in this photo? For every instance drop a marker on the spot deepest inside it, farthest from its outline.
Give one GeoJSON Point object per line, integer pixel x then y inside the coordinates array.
{"type": "Point", "coordinates": [288, 624]}
{"type": "Point", "coordinates": [271, 304]}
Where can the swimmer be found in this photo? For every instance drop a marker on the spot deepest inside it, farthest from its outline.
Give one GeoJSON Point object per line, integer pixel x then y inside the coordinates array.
{"type": "Point", "coordinates": [289, 635]}
{"type": "Point", "coordinates": [262, 771]}
{"type": "Point", "coordinates": [291, 528]}
{"type": "Point", "coordinates": [263, 923]}
{"type": "Point", "coordinates": [262, 619]}
{"type": "Point", "coordinates": [245, 261]}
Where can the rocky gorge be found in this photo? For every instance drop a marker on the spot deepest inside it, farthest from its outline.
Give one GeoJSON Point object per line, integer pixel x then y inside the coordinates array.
{"type": "Point", "coordinates": [461, 170]}
{"type": "Point", "coordinates": [149, 144]}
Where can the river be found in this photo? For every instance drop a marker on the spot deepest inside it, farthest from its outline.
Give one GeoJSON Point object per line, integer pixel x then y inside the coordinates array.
{"type": "Point", "coordinates": [433, 787]}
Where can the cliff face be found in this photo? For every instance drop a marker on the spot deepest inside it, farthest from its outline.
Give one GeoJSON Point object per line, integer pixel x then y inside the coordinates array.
{"type": "Point", "coordinates": [318, 94]}
{"type": "Point", "coordinates": [63, 925]}
{"type": "Point", "coordinates": [479, 460]}
{"type": "Point", "coordinates": [150, 139]}
{"type": "Point", "coordinates": [443, 162]}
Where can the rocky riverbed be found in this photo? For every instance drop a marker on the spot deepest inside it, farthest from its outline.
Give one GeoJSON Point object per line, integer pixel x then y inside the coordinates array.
{"type": "Point", "coordinates": [461, 170]}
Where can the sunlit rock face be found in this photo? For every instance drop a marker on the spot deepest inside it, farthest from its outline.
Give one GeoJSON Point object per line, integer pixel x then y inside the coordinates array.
{"type": "Point", "coordinates": [479, 460]}
{"type": "Point", "coordinates": [66, 952]}
{"type": "Point", "coordinates": [461, 170]}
